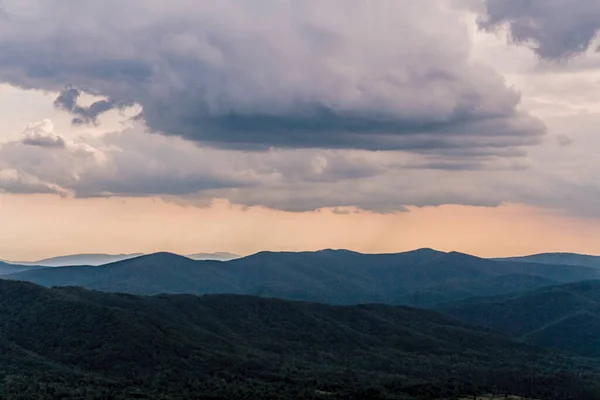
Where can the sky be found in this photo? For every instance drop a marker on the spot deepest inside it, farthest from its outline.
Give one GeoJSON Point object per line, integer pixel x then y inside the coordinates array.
{"type": "Point", "coordinates": [230, 125]}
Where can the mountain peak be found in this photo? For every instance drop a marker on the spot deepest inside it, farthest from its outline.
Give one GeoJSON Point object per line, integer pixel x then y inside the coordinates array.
{"type": "Point", "coordinates": [163, 255]}
{"type": "Point", "coordinates": [154, 258]}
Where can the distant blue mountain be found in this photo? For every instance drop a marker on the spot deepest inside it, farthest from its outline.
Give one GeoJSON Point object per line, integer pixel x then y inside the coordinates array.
{"type": "Point", "coordinates": [421, 277]}
{"type": "Point", "coordinates": [558, 258]}
{"type": "Point", "coordinates": [6, 268]}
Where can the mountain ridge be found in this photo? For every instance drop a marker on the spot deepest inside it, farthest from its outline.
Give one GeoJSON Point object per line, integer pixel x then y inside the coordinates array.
{"type": "Point", "coordinates": [326, 276]}
{"type": "Point", "coordinates": [564, 258]}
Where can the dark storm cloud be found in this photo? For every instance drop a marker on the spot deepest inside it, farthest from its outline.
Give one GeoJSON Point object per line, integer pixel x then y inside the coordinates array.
{"type": "Point", "coordinates": [67, 100]}
{"type": "Point", "coordinates": [326, 127]}
{"type": "Point", "coordinates": [554, 29]}
{"type": "Point", "coordinates": [289, 74]}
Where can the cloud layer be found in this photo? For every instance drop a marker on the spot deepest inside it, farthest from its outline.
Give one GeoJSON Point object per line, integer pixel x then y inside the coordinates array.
{"type": "Point", "coordinates": [136, 163]}
{"type": "Point", "coordinates": [350, 74]}
{"type": "Point", "coordinates": [297, 104]}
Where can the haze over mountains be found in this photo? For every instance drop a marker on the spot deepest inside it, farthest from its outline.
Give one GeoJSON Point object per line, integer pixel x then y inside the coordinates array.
{"type": "Point", "coordinates": [101, 259]}
{"type": "Point", "coordinates": [78, 259]}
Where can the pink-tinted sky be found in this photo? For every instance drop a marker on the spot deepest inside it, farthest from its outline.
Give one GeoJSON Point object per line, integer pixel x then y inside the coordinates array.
{"type": "Point", "coordinates": [41, 226]}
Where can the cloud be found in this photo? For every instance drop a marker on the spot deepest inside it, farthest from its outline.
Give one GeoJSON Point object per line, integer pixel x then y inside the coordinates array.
{"type": "Point", "coordinates": [41, 134]}
{"type": "Point", "coordinates": [346, 74]}
{"type": "Point", "coordinates": [554, 29]}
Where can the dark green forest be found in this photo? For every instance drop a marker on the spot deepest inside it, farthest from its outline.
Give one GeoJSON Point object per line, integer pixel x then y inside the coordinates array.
{"type": "Point", "coordinates": [70, 343]}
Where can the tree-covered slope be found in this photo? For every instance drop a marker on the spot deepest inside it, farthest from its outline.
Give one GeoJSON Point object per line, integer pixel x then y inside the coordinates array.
{"type": "Point", "coordinates": [72, 343]}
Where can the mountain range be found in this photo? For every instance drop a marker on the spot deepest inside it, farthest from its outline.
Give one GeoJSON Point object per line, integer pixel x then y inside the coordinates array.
{"type": "Point", "coordinates": [73, 343]}
{"type": "Point", "coordinates": [422, 277]}
{"type": "Point", "coordinates": [549, 305]}
{"type": "Point", "coordinates": [100, 259]}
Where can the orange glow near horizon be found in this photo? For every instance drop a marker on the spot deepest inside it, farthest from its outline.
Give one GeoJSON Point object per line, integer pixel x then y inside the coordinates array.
{"type": "Point", "coordinates": [39, 226]}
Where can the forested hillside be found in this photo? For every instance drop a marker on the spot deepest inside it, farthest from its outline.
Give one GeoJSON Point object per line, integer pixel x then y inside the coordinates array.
{"type": "Point", "coordinates": [72, 343]}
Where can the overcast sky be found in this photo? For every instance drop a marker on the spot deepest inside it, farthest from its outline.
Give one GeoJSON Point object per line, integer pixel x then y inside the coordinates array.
{"type": "Point", "coordinates": [235, 125]}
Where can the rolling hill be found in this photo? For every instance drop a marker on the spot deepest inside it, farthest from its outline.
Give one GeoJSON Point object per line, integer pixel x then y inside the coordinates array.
{"type": "Point", "coordinates": [419, 277]}
{"type": "Point", "coordinates": [564, 317]}
{"type": "Point", "coordinates": [73, 343]}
